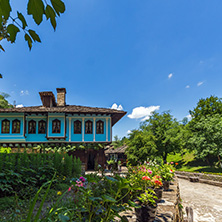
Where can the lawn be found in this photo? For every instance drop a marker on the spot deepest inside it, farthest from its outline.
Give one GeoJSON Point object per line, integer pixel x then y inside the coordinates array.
{"type": "Point", "coordinates": [188, 162]}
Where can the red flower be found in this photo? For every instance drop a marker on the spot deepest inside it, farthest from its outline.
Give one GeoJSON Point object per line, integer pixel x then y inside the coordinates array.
{"type": "Point", "coordinates": [158, 182]}
{"type": "Point", "coordinates": [145, 178]}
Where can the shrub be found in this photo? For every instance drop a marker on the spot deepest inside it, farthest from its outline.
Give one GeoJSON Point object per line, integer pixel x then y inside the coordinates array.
{"type": "Point", "coordinates": [19, 171]}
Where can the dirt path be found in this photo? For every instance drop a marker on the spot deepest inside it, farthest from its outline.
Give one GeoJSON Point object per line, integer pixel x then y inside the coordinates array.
{"type": "Point", "coordinates": [206, 200]}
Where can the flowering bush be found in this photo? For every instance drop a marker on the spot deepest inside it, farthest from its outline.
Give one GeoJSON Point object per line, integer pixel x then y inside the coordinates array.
{"type": "Point", "coordinates": [167, 172]}
{"type": "Point", "coordinates": [149, 176]}
{"type": "Point", "coordinates": [96, 198]}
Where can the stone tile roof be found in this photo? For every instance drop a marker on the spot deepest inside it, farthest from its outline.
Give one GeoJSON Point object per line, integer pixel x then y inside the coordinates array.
{"type": "Point", "coordinates": [72, 109]}
{"type": "Point", "coordinates": [111, 149]}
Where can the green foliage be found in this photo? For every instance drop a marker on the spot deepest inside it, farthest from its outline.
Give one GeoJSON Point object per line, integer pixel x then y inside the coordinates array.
{"type": "Point", "coordinates": [156, 137]}
{"type": "Point", "coordinates": [207, 138]}
{"type": "Point", "coordinates": [166, 172]}
{"type": "Point", "coordinates": [37, 9]}
{"type": "Point", "coordinates": [205, 107]}
{"type": "Point", "coordinates": [141, 145]}
{"type": "Point", "coordinates": [98, 198]}
{"type": "Point", "coordinates": [5, 150]}
{"type": "Point", "coordinates": [7, 202]}
{"type": "Point", "coordinates": [204, 130]}
{"type": "Point", "coordinates": [148, 197]}
{"type": "Point", "coordinates": [117, 142]}
{"type": "Point", "coordinates": [3, 101]}
{"type": "Point", "coordinates": [19, 172]}
{"type": "Point", "coordinates": [166, 130]}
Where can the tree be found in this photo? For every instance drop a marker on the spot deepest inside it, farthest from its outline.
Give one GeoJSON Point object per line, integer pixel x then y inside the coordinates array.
{"type": "Point", "coordinates": [140, 146]}
{"type": "Point", "coordinates": [117, 142]}
{"type": "Point", "coordinates": [37, 9]}
{"type": "Point", "coordinates": [206, 139]}
{"type": "Point", "coordinates": [3, 102]}
{"type": "Point", "coordinates": [166, 130]}
{"type": "Point", "coordinates": [206, 107]}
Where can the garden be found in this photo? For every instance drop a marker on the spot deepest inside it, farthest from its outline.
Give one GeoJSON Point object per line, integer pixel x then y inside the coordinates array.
{"type": "Point", "coordinates": [50, 187]}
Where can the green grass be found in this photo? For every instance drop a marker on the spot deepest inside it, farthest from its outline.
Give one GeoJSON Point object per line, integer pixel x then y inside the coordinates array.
{"type": "Point", "coordinates": [188, 162]}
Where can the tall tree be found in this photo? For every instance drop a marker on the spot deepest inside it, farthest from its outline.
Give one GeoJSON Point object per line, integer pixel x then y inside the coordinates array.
{"type": "Point", "coordinates": [140, 146]}
{"type": "Point", "coordinates": [166, 130]}
{"type": "Point", "coordinates": [206, 129]}
{"type": "Point", "coordinates": [206, 139]}
{"type": "Point", "coordinates": [206, 107]}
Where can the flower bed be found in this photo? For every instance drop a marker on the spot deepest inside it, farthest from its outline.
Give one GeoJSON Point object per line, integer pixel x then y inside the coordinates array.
{"type": "Point", "coordinates": [95, 197]}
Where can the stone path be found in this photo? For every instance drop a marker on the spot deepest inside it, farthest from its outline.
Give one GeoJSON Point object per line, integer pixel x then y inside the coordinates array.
{"type": "Point", "coordinates": [206, 200]}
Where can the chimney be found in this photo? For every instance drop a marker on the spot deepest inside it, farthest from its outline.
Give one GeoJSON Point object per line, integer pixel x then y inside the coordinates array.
{"type": "Point", "coordinates": [48, 99]}
{"type": "Point", "coordinates": [61, 96]}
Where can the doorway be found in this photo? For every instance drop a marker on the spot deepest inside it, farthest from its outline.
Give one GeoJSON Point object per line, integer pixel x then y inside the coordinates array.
{"type": "Point", "coordinates": [91, 161]}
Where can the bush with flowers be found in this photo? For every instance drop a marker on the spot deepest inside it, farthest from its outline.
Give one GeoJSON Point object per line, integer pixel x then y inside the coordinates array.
{"type": "Point", "coordinates": [94, 198]}
{"type": "Point", "coordinates": [167, 172]}
{"type": "Point", "coordinates": [149, 175]}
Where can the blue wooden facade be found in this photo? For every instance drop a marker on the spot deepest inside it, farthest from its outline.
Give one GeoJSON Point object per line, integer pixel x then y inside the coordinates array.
{"type": "Point", "coordinates": [56, 122]}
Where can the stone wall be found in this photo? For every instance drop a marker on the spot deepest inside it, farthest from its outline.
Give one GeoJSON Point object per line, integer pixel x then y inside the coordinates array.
{"type": "Point", "coordinates": [170, 208]}
{"type": "Point", "coordinates": [215, 180]}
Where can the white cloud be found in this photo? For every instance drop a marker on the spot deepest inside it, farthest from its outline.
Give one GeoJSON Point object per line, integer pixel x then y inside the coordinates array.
{"type": "Point", "coordinates": [170, 75]}
{"type": "Point", "coordinates": [187, 87]}
{"type": "Point", "coordinates": [129, 131]}
{"type": "Point", "coordinates": [24, 93]}
{"type": "Point", "coordinates": [199, 84]}
{"type": "Point", "coordinates": [19, 106]}
{"type": "Point", "coordinates": [189, 116]}
{"type": "Point", "coordinates": [143, 112]}
{"type": "Point", "coordinates": [115, 106]}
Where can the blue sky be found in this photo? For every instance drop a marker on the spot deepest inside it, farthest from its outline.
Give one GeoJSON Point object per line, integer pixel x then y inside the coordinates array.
{"type": "Point", "coordinates": [150, 54]}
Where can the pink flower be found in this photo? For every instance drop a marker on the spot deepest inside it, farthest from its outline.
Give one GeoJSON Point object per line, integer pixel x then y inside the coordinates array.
{"type": "Point", "coordinates": [171, 162]}
{"type": "Point", "coordinates": [149, 171]}
{"type": "Point", "coordinates": [79, 183]}
{"type": "Point", "coordinates": [83, 179]}
{"type": "Point", "coordinates": [69, 189]}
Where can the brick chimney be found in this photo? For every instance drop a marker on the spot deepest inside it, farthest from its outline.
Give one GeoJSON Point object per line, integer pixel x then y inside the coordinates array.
{"type": "Point", "coordinates": [61, 96]}
{"type": "Point", "coordinates": [48, 99]}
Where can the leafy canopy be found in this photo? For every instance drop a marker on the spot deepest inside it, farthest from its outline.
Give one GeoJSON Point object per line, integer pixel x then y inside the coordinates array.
{"type": "Point", "coordinates": [156, 137]}
{"type": "Point", "coordinates": [3, 102]}
{"type": "Point", "coordinates": [141, 145]}
{"type": "Point", "coordinates": [206, 129]}
{"type": "Point", "coordinates": [205, 107]}
{"type": "Point", "coordinates": [166, 130]}
{"type": "Point", "coordinates": [206, 139]}
{"type": "Point", "coordinates": [10, 25]}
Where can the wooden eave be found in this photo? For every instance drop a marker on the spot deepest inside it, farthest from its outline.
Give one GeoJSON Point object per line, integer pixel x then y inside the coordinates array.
{"type": "Point", "coordinates": [116, 115]}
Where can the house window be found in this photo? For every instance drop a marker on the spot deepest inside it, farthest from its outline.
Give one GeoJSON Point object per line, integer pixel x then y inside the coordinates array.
{"type": "Point", "coordinates": [99, 127]}
{"type": "Point", "coordinates": [5, 126]}
{"type": "Point", "coordinates": [56, 126]}
{"type": "Point", "coordinates": [77, 127]}
{"type": "Point", "coordinates": [88, 127]}
{"type": "Point", "coordinates": [16, 126]}
{"type": "Point", "coordinates": [42, 127]}
{"type": "Point", "coordinates": [32, 127]}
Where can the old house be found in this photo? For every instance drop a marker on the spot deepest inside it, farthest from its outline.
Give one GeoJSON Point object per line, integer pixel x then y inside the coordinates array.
{"type": "Point", "coordinates": [117, 154]}
{"type": "Point", "coordinates": [55, 122]}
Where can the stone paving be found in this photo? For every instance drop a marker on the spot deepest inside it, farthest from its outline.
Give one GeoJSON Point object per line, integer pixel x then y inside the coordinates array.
{"type": "Point", "coordinates": [206, 200]}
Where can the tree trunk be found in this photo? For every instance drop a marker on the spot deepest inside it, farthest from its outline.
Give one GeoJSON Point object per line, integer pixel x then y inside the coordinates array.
{"type": "Point", "coordinates": [219, 160]}
{"type": "Point", "coordinates": [165, 158]}
{"type": "Point", "coordinates": [207, 161]}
